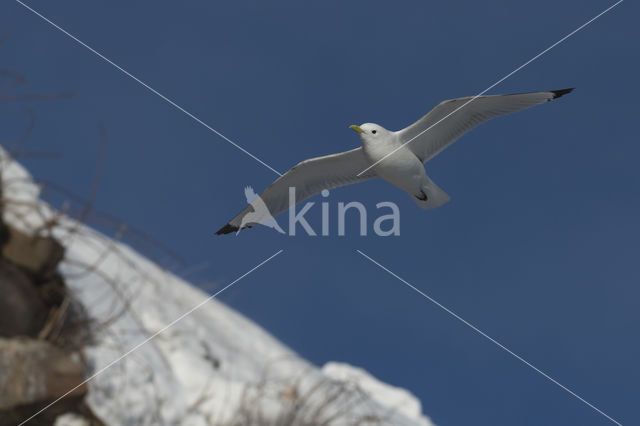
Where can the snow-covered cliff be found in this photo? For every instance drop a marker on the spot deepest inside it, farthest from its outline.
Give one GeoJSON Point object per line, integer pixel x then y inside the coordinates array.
{"type": "Point", "coordinates": [213, 367]}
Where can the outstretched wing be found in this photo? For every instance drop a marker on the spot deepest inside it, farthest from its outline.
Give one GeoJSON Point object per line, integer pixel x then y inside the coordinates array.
{"type": "Point", "coordinates": [449, 120]}
{"type": "Point", "coordinates": [309, 178]}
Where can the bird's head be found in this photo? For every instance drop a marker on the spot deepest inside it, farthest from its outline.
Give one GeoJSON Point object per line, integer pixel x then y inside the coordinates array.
{"type": "Point", "coordinates": [370, 132]}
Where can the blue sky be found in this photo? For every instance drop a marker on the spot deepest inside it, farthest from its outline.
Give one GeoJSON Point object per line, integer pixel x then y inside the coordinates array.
{"type": "Point", "coordinates": [538, 247]}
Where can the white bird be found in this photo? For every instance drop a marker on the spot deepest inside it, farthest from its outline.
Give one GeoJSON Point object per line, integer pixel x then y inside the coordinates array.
{"type": "Point", "coordinates": [396, 157]}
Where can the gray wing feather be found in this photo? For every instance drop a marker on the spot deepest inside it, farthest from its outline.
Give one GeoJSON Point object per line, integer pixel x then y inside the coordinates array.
{"type": "Point", "coordinates": [433, 132]}
{"type": "Point", "coordinates": [309, 177]}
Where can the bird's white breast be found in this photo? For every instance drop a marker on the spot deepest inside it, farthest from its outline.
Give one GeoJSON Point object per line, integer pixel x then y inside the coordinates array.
{"type": "Point", "coordinates": [402, 168]}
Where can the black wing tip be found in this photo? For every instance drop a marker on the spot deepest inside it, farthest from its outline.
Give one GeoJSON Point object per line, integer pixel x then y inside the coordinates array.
{"type": "Point", "coordinates": [561, 92]}
{"type": "Point", "coordinates": [227, 229]}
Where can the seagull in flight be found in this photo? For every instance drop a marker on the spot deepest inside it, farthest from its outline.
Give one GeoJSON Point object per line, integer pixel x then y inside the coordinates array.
{"type": "Point", "coordinates": [397, 157]}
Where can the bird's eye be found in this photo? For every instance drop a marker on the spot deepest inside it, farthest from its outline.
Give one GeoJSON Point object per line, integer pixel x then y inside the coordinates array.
{"type": "Point", "coordinates": [374, 131]}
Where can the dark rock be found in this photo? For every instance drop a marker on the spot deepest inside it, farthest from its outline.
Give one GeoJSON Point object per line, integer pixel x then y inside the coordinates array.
{"type": "Point", "coordinates": [35, 370]}
{"type": "Point", "coordinates": [22, 310]}
{"type": "Point", "coordinates": [38, 255]}
{"type": "Point", "coordinates": [35, 373]}
{"type": "Point", "coordinates": [53, 290]}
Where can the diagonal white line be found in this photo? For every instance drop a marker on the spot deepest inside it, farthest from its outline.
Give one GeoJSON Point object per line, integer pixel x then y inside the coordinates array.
{"type": "Point", "coordinates": [496, 83]}
{"type": "Point", "coordinates": [491, 339]}
{"type": "Point", "coordinates": [151, 89]}
{"type": "Point", "coordinates": [163, 329]}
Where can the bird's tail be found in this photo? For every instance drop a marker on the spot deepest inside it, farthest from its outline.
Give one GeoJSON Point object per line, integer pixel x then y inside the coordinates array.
{"type": "Point", "coordinates": [431, 196]}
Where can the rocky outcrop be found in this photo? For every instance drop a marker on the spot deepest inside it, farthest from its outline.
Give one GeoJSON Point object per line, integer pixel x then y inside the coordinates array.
{"type": "Point", "coordinates": [39, 255]}
{"type": "Point", "coordinates": [22, 310]}
{"type": "Point", "coordinates": [36, 371]}
{"type": "Point", "coordinates": [35, 367]}
{"type": "Point", "coordinates": [27, 281]}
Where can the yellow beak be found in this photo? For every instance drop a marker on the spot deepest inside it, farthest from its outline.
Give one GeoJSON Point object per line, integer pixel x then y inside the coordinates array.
{"type": "Point", "coordinates": [356, 128]}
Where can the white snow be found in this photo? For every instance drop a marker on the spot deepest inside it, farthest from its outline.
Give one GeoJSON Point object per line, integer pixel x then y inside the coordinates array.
{"type": "Point", "coordinates": [213, 367]}
{"type": "Point", "coordinates": [386, 395]}
{"type": "Point", "coordinates": [70, 419]}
